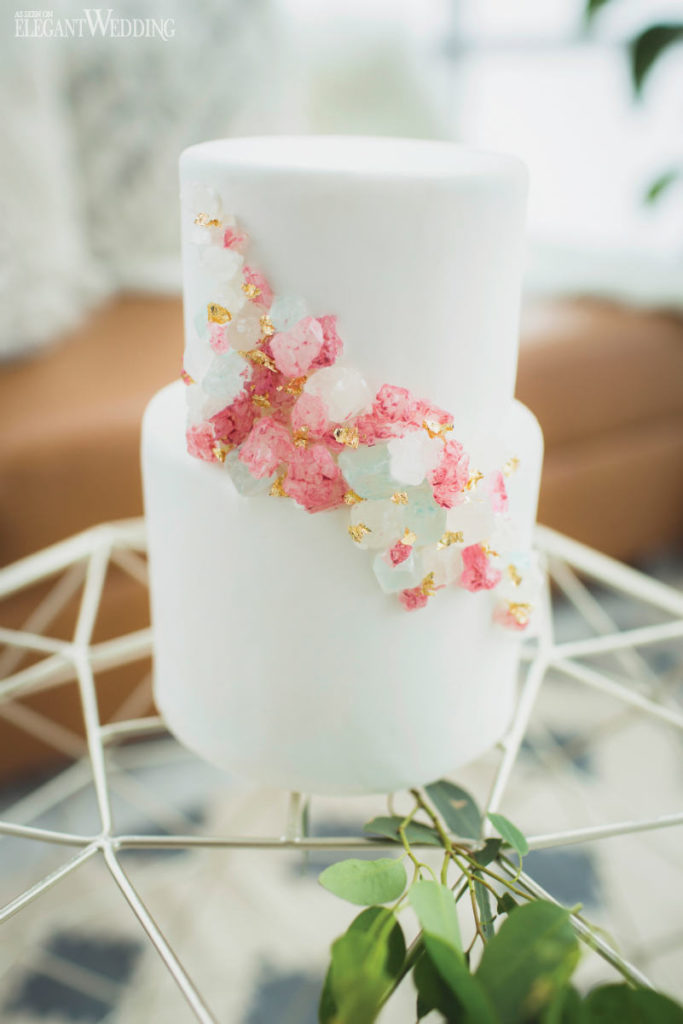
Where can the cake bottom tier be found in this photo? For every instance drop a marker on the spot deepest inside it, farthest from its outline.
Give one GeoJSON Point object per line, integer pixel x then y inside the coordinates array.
{"type": "Point", "coordinates": [278, 657]}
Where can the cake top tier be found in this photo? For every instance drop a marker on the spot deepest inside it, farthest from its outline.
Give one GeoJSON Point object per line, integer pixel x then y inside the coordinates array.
{"type": "Point", "coordinates": [355, 154]}
{"type": "Point", "coordinates": [415, 246]}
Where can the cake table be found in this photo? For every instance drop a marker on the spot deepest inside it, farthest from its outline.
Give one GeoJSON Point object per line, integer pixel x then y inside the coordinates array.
{"type": "Point", "coordinates": [627, 680]}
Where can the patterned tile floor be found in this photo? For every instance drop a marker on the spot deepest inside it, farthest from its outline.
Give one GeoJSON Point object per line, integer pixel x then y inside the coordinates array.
{"type": "Point", "coordinates": [253, 928]}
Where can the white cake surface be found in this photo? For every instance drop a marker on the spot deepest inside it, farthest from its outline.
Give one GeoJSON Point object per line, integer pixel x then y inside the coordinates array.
{"type": "Point", "coordinates": [277, 656]}
{"type": "Point", "coordinates": [417, 247]}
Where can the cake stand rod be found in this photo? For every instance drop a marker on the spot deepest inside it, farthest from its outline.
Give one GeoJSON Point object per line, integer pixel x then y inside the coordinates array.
{"type": "Point", "coordinates": [158, 939]}
{"type": "Point", "coordinates": [588, 935]}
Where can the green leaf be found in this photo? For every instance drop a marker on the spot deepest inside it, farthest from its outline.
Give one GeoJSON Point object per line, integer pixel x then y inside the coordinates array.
{"type": "Point", "coordinates": [592, 8]}
{"type": "Point", "coordinates": [648, 47]}
{"type": "Point", "coordinates": [457, 808]}
{"type": "Point", "coordinates": [660, 185]}
{"type": "Point", "coordinates": [366, 962]}
{"type": "Point", "coordinates": [434, 905]}
{"type": "Point", "coordinates": [505, 904]}
{"type": "Point", "coordinates": [489, 852]}
{"type": "Point", "coordinates": [565, 1008]}
{"type": "Point", "coordinates": [483, 897]}
{"type": "Point", "coordinates": [510, 833]}
{"type": "Point", "coordinates": [529, 960]}
{"type": "Point", "coordinates": [630, 1006]}
{"type": "Point", "coordinates": [432, 991]}
{"type": "Point", "coordinates": [365, 882]}
{"type": "Point", "coordinates": [415, 832]}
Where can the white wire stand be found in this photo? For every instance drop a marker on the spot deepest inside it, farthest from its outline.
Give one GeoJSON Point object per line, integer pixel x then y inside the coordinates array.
{"type": "Point", "coordinates": [83, 561]}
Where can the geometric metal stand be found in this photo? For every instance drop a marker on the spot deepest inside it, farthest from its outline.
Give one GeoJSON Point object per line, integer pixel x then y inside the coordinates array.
{"type": "Point", "coordinates": [83, 561]}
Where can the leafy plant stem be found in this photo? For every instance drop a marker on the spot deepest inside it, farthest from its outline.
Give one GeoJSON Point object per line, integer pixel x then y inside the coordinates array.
{"type": "Point", "coordinates": [418, 864]}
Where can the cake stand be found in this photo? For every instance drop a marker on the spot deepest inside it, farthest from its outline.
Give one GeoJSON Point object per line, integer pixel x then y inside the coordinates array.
{"type": "Point", "coordinates": [623, 675]}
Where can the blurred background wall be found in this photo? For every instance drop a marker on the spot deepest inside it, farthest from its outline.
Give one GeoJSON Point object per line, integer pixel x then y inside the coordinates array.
{"type": "Point", "coordinates": [93, 128]}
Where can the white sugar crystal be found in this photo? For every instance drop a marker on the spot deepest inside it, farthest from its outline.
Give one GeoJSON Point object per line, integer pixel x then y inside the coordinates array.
{"type": "Point", "coordinates": [245, 483]}
{"type": "Point", "coordinates": [413, 456]}
{"type": "Point", "coordinates": [393, 578]}
{"type": "Point", "coordinates": [229, 294]}
{"type": "Point", "coordinates": [445, 563]}
{"type": "Point", "coordinates": [225, 377]}
{"type": "Point", "coordinates": [344, 391]}
{"type": "Point", "coordinates": [286, 311]}
{"type": "Point", "coordinates": [222, 265]}
{"type": "Point", "coordinates": [423, 515]}
{"type": "Point", "coordinates": [200, 406]}
{"type": "Point", "coordinates": [197, 198]}
{"type": "Point", "coordinates": [198, 355]}
{"type": "Point", "coordinates": [522, 577]}
{"type": "Point", "coordinates": [384, 520]}
{"type": "Point", "coordinates": [474, 519]}
{"type": "Point", "coordinates": [366, 470]}
{"type": "Point", "coordinates": [244, 330]}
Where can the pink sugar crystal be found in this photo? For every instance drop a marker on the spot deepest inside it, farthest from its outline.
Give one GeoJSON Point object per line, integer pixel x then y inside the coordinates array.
{"type": "Point", "coordinates": [451, 475]}
{"type": "Point", "coordinates": [505, 617]}
{"type": "Point", "coordinates": [233, 423]}
{"type": "Point", "coordinates": [478, 572]}
{"type": "Point", "coordinates": [266, 447]}
{"type": "Point", "coordinates": [201, 441]}
{"type": "Point", "coordinates": [394, 412]}
{"type": "Point", "coordinates": [314, 479]}
{"type": "Point", "coordinates": [218, 337]}
{"type": "Point", "coordinates": [332, 343]}
{"type": "Point", "coordinates": [399, 552]}
{"type": "Point", "coordinates": [495, 487]}
{"type": "Point", "coordinates": [413, 598]}
{"type": "Point", "coordinates": [237, 240]}
{"type": "Point", "coordinates": [309, 412]}
{"type": "Point", "coordinates": [255, 277]}
{"type": "Point", "coordinates": [428, 413]}
{"type": "Point", "coordinates": [295, 350]}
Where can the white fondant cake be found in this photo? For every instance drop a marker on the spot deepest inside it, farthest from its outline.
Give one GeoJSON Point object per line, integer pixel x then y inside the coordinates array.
{"type": "Point", "coordinates": [276, 653]}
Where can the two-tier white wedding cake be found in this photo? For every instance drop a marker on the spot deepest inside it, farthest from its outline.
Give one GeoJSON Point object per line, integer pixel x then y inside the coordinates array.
{"type": "Point", "coordinates": [340, 510]}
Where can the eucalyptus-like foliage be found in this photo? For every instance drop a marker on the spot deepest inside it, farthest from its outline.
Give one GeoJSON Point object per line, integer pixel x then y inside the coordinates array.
{"type": "Point", "coordinates": [518, 967]}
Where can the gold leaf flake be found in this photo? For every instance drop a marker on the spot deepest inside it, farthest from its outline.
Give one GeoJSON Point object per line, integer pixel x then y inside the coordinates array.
{"type": "Point", "coordinates": [347, 435]}
{"type": "Point", "coordinates": [450, 537]}
{"type": "Point", "coordinates": [520, 612]}
{"type": "Point", "coordinates": [436, 429]}
{"type": "Point", "coordinates": [261, 400]}
{"type": "Point", "coordinates": [259, 358]}
{"type": "Point", "coordinates": [473, 480]}
{"type": "Point", "coordinates": [296, 385]}
{"type": "Point", "coordinates": [267, 328]}
{"type": "Point", "coordinates": [218, 314]}
{"type": "Point", "coordinates": [511, 466]}
{"type": "Point", "coordinates": [300, 437]}
{"type": "Point", "coordinates": [251, 291]}
{"type": "Point", "coordinates": [277, 490]}
{"type": "Point", "coordinates": [358, 531]}
{"type": "Point", "coordinates": [220, 451]}
{"type": "Point", "coordinates": [489, 551]}
{"type": "Point", "coordinates": [400, 498]}
{"type": "Point", "coordinates": [351, 498]}
{"type": "Point", "coordinates": [205, 221]}
{"type": "Point", "coordinates": [427, 586]}
{"type": "Point", "coordinates": [514, 575]}
{"type": "Point", "coordinates": [408, 538]}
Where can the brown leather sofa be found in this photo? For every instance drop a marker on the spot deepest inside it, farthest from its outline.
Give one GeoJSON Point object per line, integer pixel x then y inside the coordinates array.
{"type": "Point", "coordinates": [606, 383]}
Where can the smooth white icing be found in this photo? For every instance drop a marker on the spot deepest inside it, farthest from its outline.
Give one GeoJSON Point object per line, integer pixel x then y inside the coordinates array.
{"type": "Point", "coordinates": [416, 247]}
{"type": "Point", "coordinates": [278, 656]}
{"type": "Point", "coordinates": [276, 653]}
